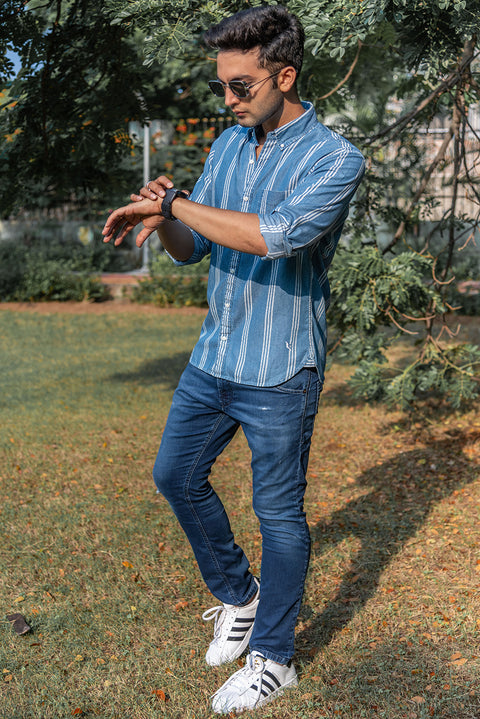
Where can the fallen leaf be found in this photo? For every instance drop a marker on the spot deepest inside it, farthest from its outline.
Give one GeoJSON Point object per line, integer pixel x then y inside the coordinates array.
{"type": "Point", "coordinates": [160, 694]}
{"type": "Point", "coordinates": [127, 564]}
{"type": "Point", "coordinates": [418, 700]}
{"type": "Point", "coordinates": [181, 605]}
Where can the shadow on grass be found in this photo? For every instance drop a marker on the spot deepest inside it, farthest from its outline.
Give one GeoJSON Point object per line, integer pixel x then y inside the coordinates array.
{"type": "Point", "coordinates": [404, 491]}
{"type": "Point", "coordinates": [430, 690]}
{"type": "Point", "coordinates": [163, 371]}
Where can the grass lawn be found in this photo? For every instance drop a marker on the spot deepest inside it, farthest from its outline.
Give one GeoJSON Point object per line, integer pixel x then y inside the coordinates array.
{"type": "Point", "coordinates": [95, 561]}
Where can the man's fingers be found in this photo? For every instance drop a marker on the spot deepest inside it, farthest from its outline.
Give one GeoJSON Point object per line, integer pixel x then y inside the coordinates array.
{"type": "Point", "coordinates": [114, 224]}
{"type": "Point", "coordinates": [123, 231]}
{"type": "Point", "coordinates": [142, 236]}
{"type": "Point", "coordinates": [150, 193]}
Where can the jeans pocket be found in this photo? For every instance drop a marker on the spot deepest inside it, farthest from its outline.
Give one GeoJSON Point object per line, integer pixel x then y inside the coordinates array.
{"type": "Point", "coordinates": [300, 382]}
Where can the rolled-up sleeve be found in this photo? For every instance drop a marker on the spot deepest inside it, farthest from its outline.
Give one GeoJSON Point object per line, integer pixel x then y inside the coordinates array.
{"type": "Point", "coordinates": [317, 206]}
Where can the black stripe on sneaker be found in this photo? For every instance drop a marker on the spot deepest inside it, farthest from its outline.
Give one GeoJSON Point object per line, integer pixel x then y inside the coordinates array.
{"type": "Point", "coordinates": [269, 686]}
{"type": "Point", "coordinates": [272, 676]}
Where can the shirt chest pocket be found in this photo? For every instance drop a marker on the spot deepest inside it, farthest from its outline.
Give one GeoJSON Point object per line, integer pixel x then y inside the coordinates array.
{"type": "Point", "coordinates": [265, 202]}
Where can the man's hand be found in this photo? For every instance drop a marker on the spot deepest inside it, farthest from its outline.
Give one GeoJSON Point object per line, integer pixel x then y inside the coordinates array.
{"type": "Point", "coordinates": [154, 189]}
{"type": "Point", "coordinates": [123, 220]}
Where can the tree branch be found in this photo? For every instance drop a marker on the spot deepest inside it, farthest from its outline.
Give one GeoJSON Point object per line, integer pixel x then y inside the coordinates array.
{"type": "Point", "coordinates": [342, 82]}
{"type": "Point", "coordinates": [445, 85]}
{"type": "Point", "coordinates": [421, 189]}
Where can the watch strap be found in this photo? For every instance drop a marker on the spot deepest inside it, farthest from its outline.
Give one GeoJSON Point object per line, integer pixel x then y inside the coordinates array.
{"type": "Point", "coordinates": [170, 195]}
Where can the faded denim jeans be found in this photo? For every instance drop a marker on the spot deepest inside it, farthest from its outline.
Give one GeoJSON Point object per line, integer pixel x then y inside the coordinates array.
{"type": "Point", "coordinates": [277, 423]}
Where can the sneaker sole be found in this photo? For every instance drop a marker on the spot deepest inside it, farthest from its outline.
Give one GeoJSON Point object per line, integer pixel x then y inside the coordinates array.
{"type": "Point", "coordinates": [292, 684]}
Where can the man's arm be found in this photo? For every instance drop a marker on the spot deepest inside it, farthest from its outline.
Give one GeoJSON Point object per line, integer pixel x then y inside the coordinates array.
{"type": "Point", "coordinates": [229, 228]}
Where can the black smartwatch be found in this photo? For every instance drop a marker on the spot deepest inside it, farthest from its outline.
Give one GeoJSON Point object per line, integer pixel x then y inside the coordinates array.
{"type": "Point", "coordinates": [170, 195]}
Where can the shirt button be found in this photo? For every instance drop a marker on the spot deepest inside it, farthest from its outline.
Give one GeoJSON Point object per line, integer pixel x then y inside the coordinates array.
{"type": "Point", "coordinates": [224, 338]}
{"type": "Point", "coordinates": [245, 198]}
{"type": "Point", "coordinates": [250, 162]}
{"type": "Point", "coordinates": [227, 305]}
{"type": "Point", "coordinates": [232, 271]}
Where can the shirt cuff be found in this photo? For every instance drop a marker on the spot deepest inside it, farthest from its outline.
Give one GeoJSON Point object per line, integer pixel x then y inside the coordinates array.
{"type": "Point", "coordinates": [275, 237]}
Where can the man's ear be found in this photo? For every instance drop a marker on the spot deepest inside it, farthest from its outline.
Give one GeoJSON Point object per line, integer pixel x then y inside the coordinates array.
{"type": "Point", "coordinates": [286, 78]}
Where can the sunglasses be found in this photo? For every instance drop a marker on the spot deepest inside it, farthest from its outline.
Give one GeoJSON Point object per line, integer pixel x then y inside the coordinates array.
{"type": "Point", "coordinates": [238, 87]}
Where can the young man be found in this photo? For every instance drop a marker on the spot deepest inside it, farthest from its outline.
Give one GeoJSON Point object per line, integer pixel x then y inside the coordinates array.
{"type": "Point", "coordinates": [269, 209]}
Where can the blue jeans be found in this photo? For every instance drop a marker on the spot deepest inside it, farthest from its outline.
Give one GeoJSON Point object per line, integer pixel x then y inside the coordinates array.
{"type": "Point", "coordinates": [277, 423]}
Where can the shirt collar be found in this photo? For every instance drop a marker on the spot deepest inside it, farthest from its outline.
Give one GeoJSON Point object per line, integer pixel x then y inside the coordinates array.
{"type": "Point", "coordinates": [293, 129]}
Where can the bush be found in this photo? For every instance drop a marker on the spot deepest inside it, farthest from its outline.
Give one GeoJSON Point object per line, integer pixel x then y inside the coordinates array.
{"type": "Point", "coordinates": [173, 291]}
{"type": "Point", "coordinates": [172, 286]}
{"type": "Point", "coordinates": [50, 271]}
{"type": "Point", "coordinates": [12, 269]}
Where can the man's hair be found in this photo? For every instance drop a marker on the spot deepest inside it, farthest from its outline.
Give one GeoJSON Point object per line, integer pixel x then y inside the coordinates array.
{"type": "Point", "coordinates": [277, 33]}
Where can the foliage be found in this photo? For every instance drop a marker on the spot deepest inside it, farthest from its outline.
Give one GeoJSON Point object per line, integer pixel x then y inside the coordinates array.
{"type": "Point", "coordinates": [64, 117]}
{"type": "Point", "coordinates": [166, 287]}
{"type": "Point", "coordinates": [51, 271]}
{"type": "Point", "coordinates": [184, 157]}
{"type": "Point", "coordinates": [381, 71]}
{"type": "Point", "coordinates": [53, 280]}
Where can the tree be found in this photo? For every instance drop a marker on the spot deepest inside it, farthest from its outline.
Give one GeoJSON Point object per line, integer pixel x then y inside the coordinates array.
{"type": "Point", "coordinates": [396, 272]}
{"type": "Point", "coordinates": [64, 117]}
{"type": "Point", "coordinates": [430, 50]}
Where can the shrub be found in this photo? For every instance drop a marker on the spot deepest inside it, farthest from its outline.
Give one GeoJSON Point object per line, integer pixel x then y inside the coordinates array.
{"type": "Point", "coordinates": [49, 271]}
{"type": "Point", "coordinates": [168, 285]}
{"type": "Point", "coordinates": [12, 269]}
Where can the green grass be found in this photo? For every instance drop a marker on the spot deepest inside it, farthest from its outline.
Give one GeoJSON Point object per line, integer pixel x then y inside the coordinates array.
{"type": "Point", "coordinates": [95, 561]}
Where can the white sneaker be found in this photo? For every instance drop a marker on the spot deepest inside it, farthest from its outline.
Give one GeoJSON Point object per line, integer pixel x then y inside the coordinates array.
{"type": "Point", "coordinates": [232, 629]}
{"type": "Point", "coordinates": [260, 681]}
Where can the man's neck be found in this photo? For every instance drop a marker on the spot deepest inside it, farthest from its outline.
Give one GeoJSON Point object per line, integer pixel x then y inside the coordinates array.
{"type": "Point", "coordinates": [291, 111]}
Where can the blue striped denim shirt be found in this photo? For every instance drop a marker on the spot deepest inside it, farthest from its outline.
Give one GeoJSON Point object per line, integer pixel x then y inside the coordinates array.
{"type": "Point", "coordinates": [266, 318]}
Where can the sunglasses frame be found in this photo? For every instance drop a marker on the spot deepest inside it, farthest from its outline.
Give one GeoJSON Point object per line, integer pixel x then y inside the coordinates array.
{"type": "Point", "coordinates": [245, 88]}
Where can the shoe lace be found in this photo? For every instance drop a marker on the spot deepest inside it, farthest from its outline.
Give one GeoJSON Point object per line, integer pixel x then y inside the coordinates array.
{"type": "Point", "coordinates": [217, 614]}
{"type": "Point", "coordinates": [252, 671]}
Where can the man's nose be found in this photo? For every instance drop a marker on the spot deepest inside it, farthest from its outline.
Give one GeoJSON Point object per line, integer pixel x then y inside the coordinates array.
{"type": "Point", "coordinates": [230, 98]}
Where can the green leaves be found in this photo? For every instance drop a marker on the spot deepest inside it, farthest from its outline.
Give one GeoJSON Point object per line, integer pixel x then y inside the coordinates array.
{"type": "Point", "coordinates": [440, 372]}
{"type": "Point", "coordinates": [370, 290]}
{"type": "Point", "coordinates": [372, 294]}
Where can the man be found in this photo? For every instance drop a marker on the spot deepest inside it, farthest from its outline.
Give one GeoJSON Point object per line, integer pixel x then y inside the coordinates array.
{"type": "Point", "coordinates": [269, 208]}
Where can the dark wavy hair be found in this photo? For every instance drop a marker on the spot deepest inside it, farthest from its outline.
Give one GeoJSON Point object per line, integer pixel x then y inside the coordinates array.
{"type": "Point", "coordinates": [277, 33]}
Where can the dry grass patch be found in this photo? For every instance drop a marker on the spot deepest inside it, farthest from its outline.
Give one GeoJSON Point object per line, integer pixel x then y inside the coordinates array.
{"type": "Point", "coordinates": [94, 560]}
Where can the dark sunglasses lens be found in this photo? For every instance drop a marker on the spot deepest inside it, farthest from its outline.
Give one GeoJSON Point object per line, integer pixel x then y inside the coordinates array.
{"type": "Point", "coordinates": [217, 88]}
{"type": "Point", "coordinates": [238, 88]}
